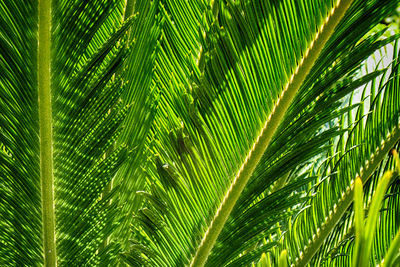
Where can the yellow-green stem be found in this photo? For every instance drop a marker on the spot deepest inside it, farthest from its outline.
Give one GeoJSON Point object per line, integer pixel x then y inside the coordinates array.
{"type": "Point", "coordinates": [358, 220]}
{"type": "Point", "coordinates": [283, 259]}
{"type": "Point", "coordinates": [45, 133]}
{"type": "Point", "coordinates": [267, 132]}
{"type": "Point", "coordinates": [346, 200]}
{"type": "Point", "coordinates": [392, 251]}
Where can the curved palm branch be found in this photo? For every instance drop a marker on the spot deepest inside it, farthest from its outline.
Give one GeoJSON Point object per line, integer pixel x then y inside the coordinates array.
{"type": "Point", "coordinates": [190, 134]}
{"type": "Point", "coordinates": [232, 87]}
{"type": "Point", "coordinates": [363, 152]}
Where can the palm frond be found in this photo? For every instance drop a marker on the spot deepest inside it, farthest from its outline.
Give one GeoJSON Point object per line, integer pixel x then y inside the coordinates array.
{"type": "Point", "coordinates": [141, 93]}
{"type": "Point", "coordinates": [173, 133]}
{"type": "Point", "coordinates": [20, 207]}
{"type": "Point", "coordinates": [224, 110]}
{"type": "Point", "coordinates": [78, 115]}
{"type": "Point", "coordinates": [359, 153]}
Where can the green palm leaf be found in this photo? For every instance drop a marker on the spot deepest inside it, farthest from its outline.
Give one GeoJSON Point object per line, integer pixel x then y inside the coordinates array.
{"type": "Point", "coordinates": [60, 113]}
{"type": "Point", "coordinates": [224, 108]}
{"type": "Point", "coordinates": [174, 133]}
{"type": "Point", "coordinates": [362, 153]}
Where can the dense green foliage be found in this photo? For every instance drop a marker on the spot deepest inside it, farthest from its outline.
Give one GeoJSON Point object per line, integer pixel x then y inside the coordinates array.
{"type": "Point", "coordinates": [202, 132]}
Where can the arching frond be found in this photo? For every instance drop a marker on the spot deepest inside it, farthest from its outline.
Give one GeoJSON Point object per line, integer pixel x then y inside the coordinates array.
{"type": "Point", "coordinates": [174, 132]}
{"type": "Point", "coordinates": [225, 105]}
{"type": "Point", "coordinates": [360, 153]}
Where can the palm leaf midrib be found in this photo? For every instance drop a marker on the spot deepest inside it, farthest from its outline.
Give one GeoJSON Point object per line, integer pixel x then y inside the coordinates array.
{"type": "Point", "coordinates": [187, 137]}
{"type": "Point", "coordinates": [92, 81]}
{"type": "Point", "coordinates": [267, 132]}
{"type": "Point", "coordinates": [46, 133]}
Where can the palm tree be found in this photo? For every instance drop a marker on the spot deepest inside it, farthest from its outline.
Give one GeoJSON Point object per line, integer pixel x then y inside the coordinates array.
{"type": "Point", "coordinates": [218, 133]}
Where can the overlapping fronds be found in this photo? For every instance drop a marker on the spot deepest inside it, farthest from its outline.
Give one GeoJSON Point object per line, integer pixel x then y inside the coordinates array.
{"type": "Point", "coordinates": [141, 95]}
{"type": "Point", "coordinates": [204, 132]}
{"type": "Point", "coordinates": [339, 246]}
{"type": "Point", "coordinates": [217, 92]}
{"type": "Point", "coordinates": [374, 131]}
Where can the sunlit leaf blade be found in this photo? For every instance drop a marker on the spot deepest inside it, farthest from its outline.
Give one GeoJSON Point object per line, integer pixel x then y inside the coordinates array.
{"type": "Point", "coordinates": [360, 153]}
{"type": "Point", "coordinates": [141, 95]}
{"type": "Point", "coordinates": [216, 113]}
{"type": "Point", "coordinates": [204, 132]}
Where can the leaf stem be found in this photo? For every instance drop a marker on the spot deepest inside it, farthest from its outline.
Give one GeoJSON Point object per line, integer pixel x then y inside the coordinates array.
{"type": "Point", "coordinates": [268, 131]}
{"type": "Point", "coordinates": [45, 133]}
{"type": "Point", "coordinates": [346, 200]}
